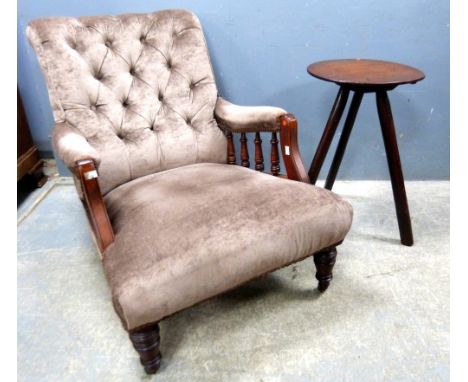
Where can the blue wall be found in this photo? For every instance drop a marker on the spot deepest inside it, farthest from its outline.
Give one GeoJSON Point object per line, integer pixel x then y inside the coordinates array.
{"type": "Point", "coordinates": [260, 50]}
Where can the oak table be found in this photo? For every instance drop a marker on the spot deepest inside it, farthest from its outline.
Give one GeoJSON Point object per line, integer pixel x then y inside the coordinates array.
{"type": "Point", "coordinates": [365, 76]}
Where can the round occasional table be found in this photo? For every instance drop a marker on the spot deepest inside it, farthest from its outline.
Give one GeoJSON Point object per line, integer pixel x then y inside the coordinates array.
{"type": "Point", "coordinates": [365, 76]}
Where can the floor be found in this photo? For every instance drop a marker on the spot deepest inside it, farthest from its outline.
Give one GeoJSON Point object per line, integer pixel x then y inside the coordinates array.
{"type": "Point", "coordinates": [384, 318]}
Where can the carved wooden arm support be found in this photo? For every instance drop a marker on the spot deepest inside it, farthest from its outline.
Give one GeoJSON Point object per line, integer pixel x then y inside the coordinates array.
{"type": "Point", "coordinates": [94, 203]}
{"type": "Point", "coordinates": [290, 149]}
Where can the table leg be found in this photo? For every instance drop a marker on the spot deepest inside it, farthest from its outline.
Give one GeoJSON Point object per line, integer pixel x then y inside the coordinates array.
{"type": "Point", "coordinates": [394, 165]}
{"type": "Point", "coordinates": [340, 150]}
{"type": "Point", "coordinates": [328, 134]}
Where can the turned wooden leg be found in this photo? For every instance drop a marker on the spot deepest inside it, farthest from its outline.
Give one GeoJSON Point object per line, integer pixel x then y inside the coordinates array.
{"type": "Point", "coordinates": [343, 142]}
{"type": "Point", "coordinates": [328, 134]}
{"type": "Point", "coordinates": [324, 262]}
{"type": "Point", "coordinates": [394, 165]}
{"type": "Point", "coordinates": [146, 343]}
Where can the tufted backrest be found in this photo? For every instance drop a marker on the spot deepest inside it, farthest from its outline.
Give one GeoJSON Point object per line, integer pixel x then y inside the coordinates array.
{"type": "Point", "coordinates": [139, 87]}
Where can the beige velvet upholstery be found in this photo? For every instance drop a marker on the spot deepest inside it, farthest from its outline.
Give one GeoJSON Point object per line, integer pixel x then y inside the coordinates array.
{"type": "Point", "coordinates": [138, 87]}
{"type": "Point", "coordinates": [247, 119]}
{"type": "Point", "coordinates": [189, 233]}
{"type": "Point", "coordinates": [72, 145]}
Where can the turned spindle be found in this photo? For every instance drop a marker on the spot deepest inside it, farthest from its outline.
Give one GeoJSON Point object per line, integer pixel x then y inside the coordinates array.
{"type": "Point", "coordinates": [275, 161]}
{"type": "Point", "coordinates": [244, 151]}
{"type": "Point", "coordinates": [259, 166]}
{"type": "Point", "coordinates": [231, 151]}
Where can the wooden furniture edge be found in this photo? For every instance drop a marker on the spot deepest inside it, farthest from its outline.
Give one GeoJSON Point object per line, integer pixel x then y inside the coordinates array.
{"type": "Point", "coordinates": [94, 203]}
{"type": "Point", "coordinates": [290, 149]}
{"type": "Point", "coordinates": [28, 162]}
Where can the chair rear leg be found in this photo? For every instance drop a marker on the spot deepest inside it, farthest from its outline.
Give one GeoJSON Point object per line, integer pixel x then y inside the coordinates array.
{"type": "Point", "coordinates": [324, 262]}
{"type": "Point", "coordinates": [146, 343]}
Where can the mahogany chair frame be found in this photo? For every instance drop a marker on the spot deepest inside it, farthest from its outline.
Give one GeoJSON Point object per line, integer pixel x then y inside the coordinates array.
{"type": "Point", "coordinates": [146, 339]}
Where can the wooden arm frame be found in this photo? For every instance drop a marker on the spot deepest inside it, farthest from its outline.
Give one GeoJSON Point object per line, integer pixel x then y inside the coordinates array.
{"type": "Point", "coordinates": [94, 204]}
{"type": "Point", "coordinates": [290, 149]}
{"type": "Point", "coordinates": [286, 125]}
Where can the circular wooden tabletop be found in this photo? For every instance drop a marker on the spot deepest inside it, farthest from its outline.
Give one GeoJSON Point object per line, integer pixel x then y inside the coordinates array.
{"type": "Point", "coordinates": [365, 73]}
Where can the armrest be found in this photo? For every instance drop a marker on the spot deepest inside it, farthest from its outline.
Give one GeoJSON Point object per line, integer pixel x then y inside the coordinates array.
{"type": "Point", "coordinates": [246, 119]}
{"type": "Point", "coordinates": [94, 203]}
{"type": "Point", "coordinates": [249, 119]}
{"type": "Point", "coordinates": [72, 146]}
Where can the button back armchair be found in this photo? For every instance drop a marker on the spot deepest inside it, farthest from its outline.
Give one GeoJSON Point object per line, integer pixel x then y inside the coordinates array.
{"type": "Point", "coordinates": [150, 143]}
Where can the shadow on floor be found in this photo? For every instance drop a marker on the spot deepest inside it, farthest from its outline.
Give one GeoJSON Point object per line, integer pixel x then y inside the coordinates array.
{"type": "Point", "coordinates": [24, 188]}
{"type": "Point", "coordinates": [229, 304]}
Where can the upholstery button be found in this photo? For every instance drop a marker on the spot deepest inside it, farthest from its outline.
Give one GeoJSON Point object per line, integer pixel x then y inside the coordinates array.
{"type": "Point", "coordinates": [125, 103]}
{"type": "Point", "coordinates": [132, 71]}
{"type": "Point", "coordinates": [108, 43]}
{"type": "Point", "coordinates": [160, 97]}
{"type": "Point", "coordinates": [169, 64]}
{"type": "Point", "coordinates": [120, 135]}
{"type": "Point", "coordinates": [93, 107]}
{"type": "Point", "coordinates": [142, 38]}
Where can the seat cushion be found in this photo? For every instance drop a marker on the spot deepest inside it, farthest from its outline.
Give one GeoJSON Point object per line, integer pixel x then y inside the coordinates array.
{"type": "Point", "coordinates": [187, 234]}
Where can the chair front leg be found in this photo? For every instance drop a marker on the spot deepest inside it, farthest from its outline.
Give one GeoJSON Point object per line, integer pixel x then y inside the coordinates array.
{"type": "Point", "coordinates": [324, 262]}
{"type": "Point", "coordinates": [146, 343]}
